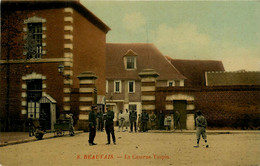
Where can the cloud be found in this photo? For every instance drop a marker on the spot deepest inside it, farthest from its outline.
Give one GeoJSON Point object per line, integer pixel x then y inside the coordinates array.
{"type": "Point", "coordinates": [235, 58]}
{"type": "Point", "coordinates": [181, 40]}
{"type": "Point", "coordinates": [186, 42]}
{"type": "Point", "coordinates": [134, 21]}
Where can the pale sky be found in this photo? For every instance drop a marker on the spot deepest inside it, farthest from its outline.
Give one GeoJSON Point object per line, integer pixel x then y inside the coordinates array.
{"type": "Point", "coordinates": [203, 30]}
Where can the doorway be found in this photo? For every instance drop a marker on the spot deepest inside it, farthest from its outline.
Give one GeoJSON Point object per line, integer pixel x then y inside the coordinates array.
{"type": "Point", "coordinates": [45, 115]}
{"type": "Point", "coordinates": [181, 106]}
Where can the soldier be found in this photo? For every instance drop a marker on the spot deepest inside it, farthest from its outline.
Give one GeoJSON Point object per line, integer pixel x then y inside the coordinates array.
{"type": "Point", "coordinates": [201, 124]}
{"type": "Point", "coordinates": [31, 126]}
{"type": "Point", "coordinates": [177, 120]}
{"type": "Point", "coordinates": [153, 120]}
{"type": "Point", "coordinates": [100, 120]}
{"type": "Point", "coordinates": [92, 125]}
{"type": "Point", "coordinates": [161, 120]}
{"type": "Point", "coordinates": [110, 127]}
{"type": "Point", "coordinates": [121, 120]}
{"type": "Point", "coordinates": [133, 118]}
{"type": "Point", "coordinates": [144, 120]}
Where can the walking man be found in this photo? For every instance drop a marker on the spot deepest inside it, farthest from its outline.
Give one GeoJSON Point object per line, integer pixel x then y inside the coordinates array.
{"type": "Point", "coordinates": [110, 127]}
{"type": "Point", "coordinates": [201, 124]}
{"type": "Point", "coordinates": [121, 120]}
{"type": "Point", "coordinates": [144, 120]}
{"type": "Point", "coordinates": [177, 120]}
{"type": "Point", "coordinates": [92, 125]}
{"type": "Point", "coordinates": [133, 118]}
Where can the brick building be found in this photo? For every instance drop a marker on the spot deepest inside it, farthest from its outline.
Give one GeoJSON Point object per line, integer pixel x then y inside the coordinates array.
{"type": "Point", "coordinates": [45, 45]}
{"type": "Point", "coordinates": [124, 84]}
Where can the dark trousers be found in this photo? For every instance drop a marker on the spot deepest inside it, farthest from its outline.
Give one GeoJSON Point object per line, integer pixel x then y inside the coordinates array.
{"type": "Point", "coordinates": [133, 123]}
{"type": "Point", "coordinates": [31, 130]}
{"type": "Point", "coordinates": [100, 124]}
{"type": "Point", "coordinates": [92, 134]}
{"type": "Point", "coordinates": [110, 130]}
{"type": "Point", "coordinates": [144, 126]}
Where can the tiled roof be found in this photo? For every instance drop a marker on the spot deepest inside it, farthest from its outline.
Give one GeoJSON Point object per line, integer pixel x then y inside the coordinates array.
{"type": "Point", "coordinates": [194, 70]}
{"type": "Point", "coordinates": [148, 56]}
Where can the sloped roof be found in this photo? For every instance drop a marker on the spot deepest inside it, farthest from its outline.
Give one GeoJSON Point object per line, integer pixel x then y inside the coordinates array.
{"type": "Point", "coordinates": [148, 56]}
{"type": "Point", "coordinates": [194, 70]}
{"type": "Point", "coordinates": [51, 4]}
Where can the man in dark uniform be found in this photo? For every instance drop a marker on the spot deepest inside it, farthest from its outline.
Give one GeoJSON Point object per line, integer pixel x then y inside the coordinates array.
{"type": "Point", "coordinates": [161, 120]}
{"type": "Point", "coordinates": [100, 120]}
{"type": "Point", "coordinates": [109, 126]}
{"type": "Point", "coordinates": [133, 118]}
{"type": "Point", "coordinates": [144, 120]}
{"type": "Point", "coordinates": [92, 125]}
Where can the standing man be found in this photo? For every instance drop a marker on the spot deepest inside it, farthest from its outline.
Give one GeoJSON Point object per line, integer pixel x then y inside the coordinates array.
{"type": "Point", "coordinates": [100, 120]}
{"type": "Point", "coordinates": [153, 120]}
{"type": "Point", "coordinates": [201, 124]}
{"type": "Point", "coordinates": [92, 125]}
{"type": "Point", "coordinates": [161, 120]}
{"type": "Point", "coordinates": [31, 126]}
{"type": "Point", "coordinates": [177, 120]}
{"type": "Point", "coordinates": [121, 120]}
{"type": "Point", "coordinates": [126, 116]}
{"type": "Point", "coordinates": [72, 131]}
{"type": "Point", "coordinates": [110, 126]}
{"type": "Point", "coordinates": [144, 119]}
{"type": "Point", "coordinates": [133, 118]}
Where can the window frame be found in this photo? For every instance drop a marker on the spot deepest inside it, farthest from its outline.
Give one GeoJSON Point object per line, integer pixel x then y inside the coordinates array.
{"type": "Point", "coordinates": [129, 86]}
{"type": "Point", "coordinates": [35, 29]}
{"type": "Point", "coordinates": [120, 86]}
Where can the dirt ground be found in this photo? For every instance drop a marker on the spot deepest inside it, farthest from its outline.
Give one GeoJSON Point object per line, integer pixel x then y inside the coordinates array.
{"type": "Point", "coordinates": [137, 149]}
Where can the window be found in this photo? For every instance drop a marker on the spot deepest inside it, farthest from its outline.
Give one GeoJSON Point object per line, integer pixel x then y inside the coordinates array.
{"type": "Point", "coordinates": [117, 86]}
{"type": "Point", "coordinates": [170, 84]}
{"type": "Point", "coordinates": [132, 107]}
{"type": "Point", "coordinates": [131, 86]}
{"type": "Point", "coordinates": [34, 40]}
{"type": "Point", "coordinates": [34, 94]}
{"type": "Point", "coordinates": [130, 62]}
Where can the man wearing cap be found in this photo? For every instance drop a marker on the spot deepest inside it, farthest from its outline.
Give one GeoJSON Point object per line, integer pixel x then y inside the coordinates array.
{"type": "Point", "coordinates": [201, 124]}
{"type": "Point", "coordinates": [133, 118]}
{"type": "Point", "coordinates": [109, 126]}
{"type": "Point", "coordinates": [144, 120]}
{"type": "Point", "coordinates": [92, 125]}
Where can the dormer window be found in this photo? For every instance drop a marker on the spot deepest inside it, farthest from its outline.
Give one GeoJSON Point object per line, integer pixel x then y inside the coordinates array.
{"type": "Point", "coordinates": [130, 60]}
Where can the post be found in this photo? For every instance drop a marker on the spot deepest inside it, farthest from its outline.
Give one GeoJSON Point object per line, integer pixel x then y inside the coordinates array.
{"type": "Point", "coordinates": [86, 97]}
{"type": "Point", "coordinates": [148, 87]}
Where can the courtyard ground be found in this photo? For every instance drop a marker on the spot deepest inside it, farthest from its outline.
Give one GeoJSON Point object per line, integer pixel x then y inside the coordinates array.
{"type": "Point", "coordinates": [153, 148]}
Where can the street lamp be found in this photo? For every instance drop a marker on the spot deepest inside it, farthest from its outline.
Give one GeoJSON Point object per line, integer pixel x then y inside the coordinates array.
{"type": "Point", "coordinates": [61, 70]}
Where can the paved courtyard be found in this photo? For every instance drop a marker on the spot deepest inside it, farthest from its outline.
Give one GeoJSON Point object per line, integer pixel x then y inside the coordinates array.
{"type": "Point", "coordinates": [137, 149]}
